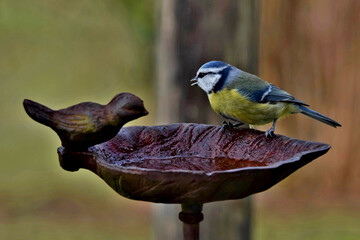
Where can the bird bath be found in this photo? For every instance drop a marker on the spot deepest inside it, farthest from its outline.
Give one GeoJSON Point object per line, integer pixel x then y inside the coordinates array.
{"type": "Point", "coordinates": [192, 164]}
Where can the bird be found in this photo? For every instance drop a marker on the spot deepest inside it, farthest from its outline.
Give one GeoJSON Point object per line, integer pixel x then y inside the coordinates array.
{"type": "Point", "coordinates": [86, 124]}
{"type": "Point", "coordinates": [245, 98]}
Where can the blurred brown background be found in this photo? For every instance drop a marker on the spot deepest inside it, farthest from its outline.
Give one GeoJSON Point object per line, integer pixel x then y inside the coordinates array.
{"type": "Point", "coordinates": [63, 52]}
{"type": "Point", "coordinates": [312, 49]}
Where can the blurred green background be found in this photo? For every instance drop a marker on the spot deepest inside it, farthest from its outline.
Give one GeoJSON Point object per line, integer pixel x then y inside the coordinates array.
{"type": "Point", "coordinates": [63, 52]}
{"type": "Point", "coordinates": [60, 53]}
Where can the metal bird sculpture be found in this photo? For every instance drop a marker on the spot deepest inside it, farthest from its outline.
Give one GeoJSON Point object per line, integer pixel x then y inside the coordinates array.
{"type": "Point", "coordinates": [87, 124]}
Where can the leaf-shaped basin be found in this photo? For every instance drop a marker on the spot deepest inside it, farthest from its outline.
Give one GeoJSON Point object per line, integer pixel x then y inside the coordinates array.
{"type": "Point", "coordinates": [192, 163]}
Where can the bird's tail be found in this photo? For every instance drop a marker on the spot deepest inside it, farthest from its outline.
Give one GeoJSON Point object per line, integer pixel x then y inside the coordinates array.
{"type": "Point", "coordinates": [38, 112]}
{"type": "Point", "coordinates": [315, 115]}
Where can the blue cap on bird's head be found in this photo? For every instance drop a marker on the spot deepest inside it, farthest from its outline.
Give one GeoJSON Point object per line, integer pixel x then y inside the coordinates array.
{"type": "Point", "coordinates": [214, 64]}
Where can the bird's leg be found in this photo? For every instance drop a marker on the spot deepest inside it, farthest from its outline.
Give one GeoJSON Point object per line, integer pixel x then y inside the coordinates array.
{"type": "Point", "coordinates": [238, 124]}
{"type": "Point", "coordinates": [270, 133]}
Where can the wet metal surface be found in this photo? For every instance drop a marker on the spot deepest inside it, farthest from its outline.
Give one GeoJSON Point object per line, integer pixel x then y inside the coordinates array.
{"type": "Point", "coordinates": [192, 163]}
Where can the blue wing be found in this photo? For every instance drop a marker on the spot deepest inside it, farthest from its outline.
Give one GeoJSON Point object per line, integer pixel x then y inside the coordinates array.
{"type": "Point", "coordinates": [275, 94]}
{"type": "Point", "coordinates": [260, 91]}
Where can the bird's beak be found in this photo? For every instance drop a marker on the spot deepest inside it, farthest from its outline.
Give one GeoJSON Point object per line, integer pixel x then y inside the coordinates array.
{"type": "Point", "coordinates": [194, 81]}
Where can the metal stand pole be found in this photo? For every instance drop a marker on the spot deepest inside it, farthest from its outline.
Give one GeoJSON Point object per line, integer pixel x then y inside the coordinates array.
{"type": "Point", "coordinates": [191, 216]}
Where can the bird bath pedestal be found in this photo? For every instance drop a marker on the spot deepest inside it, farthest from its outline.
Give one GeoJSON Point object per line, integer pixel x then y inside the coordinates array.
{"type": "Point", "coordinates": [192, 164]}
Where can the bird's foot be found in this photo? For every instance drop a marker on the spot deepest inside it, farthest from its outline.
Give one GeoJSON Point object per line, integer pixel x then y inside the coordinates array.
{"type": "Point", "coordinates": [270, 133]}
{"type": "Point", "coordinates": [227, 125]}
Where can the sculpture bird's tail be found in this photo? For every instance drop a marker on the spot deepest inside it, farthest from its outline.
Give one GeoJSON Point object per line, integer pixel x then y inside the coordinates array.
{"type": "Point", "coordinates": [39, 112]}
{"type": "Point", "coordinates": [315, 115]}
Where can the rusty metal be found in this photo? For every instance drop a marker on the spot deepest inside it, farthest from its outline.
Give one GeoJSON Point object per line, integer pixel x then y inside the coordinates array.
{"type": "Point", "coordinates": [86, 124]}
{"type": "Point", "coordinates": [192, 164]}
{"type": "Point", "coordinates": [191, 216]}
{"type": "Point", "coordinates": [196, 163]}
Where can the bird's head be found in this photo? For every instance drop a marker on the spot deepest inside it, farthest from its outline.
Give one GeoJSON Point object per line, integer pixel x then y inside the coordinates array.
{"type": "Point", "coordinates": [211, 76]}
{"type": "Point", "coordinates": [125, 107]}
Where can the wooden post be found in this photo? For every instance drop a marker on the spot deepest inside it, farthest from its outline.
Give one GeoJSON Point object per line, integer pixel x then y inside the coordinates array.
{"type": "Point", "coordinates": [191, 33]}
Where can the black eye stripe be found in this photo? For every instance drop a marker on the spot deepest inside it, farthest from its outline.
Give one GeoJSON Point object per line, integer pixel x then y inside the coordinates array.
{"type": "Point", "coordinates": [203, 74]}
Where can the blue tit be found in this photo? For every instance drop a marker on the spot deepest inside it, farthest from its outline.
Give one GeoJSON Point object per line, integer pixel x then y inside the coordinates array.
{"type": "Point", "coordinates": [245, 98]}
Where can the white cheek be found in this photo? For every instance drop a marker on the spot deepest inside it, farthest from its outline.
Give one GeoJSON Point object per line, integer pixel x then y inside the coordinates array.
{"type": "Point", "coordinates": [208, 82]}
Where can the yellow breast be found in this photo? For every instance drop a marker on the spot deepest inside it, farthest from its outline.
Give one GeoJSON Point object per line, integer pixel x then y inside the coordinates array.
{"type": "Point", "coordinates": [231, 104]}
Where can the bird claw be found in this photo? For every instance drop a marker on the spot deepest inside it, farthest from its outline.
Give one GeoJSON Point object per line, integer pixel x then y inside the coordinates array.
{"type": "Point", "coordinates": [227, 125]}
{"type": "Point", "coordinates": [270, 133]}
